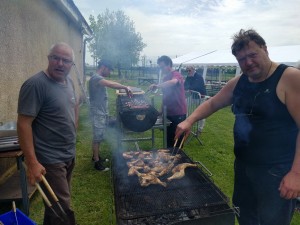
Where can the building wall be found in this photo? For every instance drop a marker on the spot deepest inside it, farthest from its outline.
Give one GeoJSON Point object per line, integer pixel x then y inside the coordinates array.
{"type": "Point", "coordinates": [28, 28]}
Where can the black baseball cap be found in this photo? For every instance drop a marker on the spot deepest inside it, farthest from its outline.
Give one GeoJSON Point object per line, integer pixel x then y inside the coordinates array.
{"type": "Point", "coordinates": [106, 63]}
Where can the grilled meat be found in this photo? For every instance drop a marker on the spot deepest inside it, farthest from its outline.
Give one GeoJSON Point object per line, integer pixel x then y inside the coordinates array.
{"type": "Point", "coordinates": [149, 166]}
{"type": "Point", "coordinates": [179, 171]}
{"type": "Point", "coordinates": [132, 170]}
{"type": "Point", "coordinates": [163, 150]}
{"type": "Point", "coordinates": [146, 179]}
{"type": "Point", "coordinates": [137, 162]}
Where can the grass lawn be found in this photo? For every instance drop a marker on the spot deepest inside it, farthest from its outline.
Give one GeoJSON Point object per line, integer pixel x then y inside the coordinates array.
{"type": "Point", "coordinates": [92, 197]}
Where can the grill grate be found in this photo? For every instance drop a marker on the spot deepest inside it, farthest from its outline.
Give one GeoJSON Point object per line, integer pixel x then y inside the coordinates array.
{"type": "Point", "coordinates": [137, 102]}
{"type": "Point", "coordinates": [146, 204]}
{"type": "Point", "coordinates": [195, 194]}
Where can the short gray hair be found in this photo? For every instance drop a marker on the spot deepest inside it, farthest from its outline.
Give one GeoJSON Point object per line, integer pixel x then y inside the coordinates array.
{"type": "Point", "coordinates": [62, 44]}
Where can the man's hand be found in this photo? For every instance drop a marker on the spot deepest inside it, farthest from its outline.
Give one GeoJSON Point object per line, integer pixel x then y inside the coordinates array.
{"type": "Point", "coordinates": [290, 185]}
{"type": "Point", "coordinates": [183, 127]}
{"type": "Point", "coordinates": [129, 92]}
{"type": "Point", "coordinates": [35, 172]}
{"type": "Point", "coordinates": [153, 87]}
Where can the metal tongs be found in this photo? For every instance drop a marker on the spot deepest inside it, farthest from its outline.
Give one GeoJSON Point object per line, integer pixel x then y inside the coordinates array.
{"type": "Point", "coordinates": [62, 214]}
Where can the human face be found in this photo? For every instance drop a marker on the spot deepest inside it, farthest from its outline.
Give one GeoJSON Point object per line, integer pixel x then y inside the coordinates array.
{"type": "Point", "coordinates": [105, 71]}
{"type": "Point", "coordinates": [190, 72]}
{"type": "Point", "coordinates": [165, 69]}
{"type": "Point", "coordinates": [254, 61]}
{"type": "Point", "coordinates": [60, 63]}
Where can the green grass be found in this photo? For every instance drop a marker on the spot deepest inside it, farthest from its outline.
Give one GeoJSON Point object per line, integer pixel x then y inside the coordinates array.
{"type": "Point", "coordinates": [92, 197]}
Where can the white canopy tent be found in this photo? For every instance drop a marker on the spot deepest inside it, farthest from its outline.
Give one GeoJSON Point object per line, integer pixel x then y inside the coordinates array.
{"type": "Point", "coordinates": [289, 55]}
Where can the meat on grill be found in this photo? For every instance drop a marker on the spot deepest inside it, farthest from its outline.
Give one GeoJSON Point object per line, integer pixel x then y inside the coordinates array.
{"type": "Point", "coordinates": [136, 104]}
{"type": "Point", "coordinates": [179, 171]}
{"type": "Point", "coordinates": [146, 179]}
{"type": "Point", "coordinates": [129, 155]}
{"type": "Point", "coordinates": [149, 166]}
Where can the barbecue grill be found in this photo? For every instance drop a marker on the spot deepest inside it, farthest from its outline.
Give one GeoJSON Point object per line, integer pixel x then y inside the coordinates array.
{"type": "Point", "coordinates": [9, 143]}
{"type": "Point", "coordinates": [8, 137]}
{"type": "Point", "coordinates": [135, 112]}
{"type": "Point", "coordinates": [194, 199]}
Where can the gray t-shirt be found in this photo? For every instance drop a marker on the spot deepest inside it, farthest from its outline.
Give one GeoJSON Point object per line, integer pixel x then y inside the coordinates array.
{"type": "Point", "coordinates": [98, 94]}
{"type": "Point", "coordinates": [53, 106]}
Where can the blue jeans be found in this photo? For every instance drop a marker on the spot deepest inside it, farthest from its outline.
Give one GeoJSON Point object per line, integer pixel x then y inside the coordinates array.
{"type": "Point", "coordinates": [256, 194]}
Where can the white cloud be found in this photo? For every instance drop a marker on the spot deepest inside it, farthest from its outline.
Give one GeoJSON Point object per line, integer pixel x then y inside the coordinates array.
{"type": "Point", "coordinates": [176, 27]}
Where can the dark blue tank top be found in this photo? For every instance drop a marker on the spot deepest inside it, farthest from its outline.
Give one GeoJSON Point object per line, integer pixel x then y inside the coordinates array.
{"type": "Point", "coordinates": [264, 131]}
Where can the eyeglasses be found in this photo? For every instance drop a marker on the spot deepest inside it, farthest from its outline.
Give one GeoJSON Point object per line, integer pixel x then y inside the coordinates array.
{"type": "Point", "coordinates": [57, 59]}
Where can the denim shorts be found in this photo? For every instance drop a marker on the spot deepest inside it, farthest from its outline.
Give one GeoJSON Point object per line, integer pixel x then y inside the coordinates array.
{"type": "Point", "coordinates": [99, 123]}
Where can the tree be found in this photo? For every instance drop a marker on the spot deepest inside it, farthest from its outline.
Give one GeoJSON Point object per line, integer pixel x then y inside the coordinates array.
{"type": "Point", "coordinates": [115, 39]}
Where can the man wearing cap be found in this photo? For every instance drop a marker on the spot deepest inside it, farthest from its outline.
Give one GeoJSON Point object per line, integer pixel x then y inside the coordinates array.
{"type": "Point", "coordinates": [99, 107]}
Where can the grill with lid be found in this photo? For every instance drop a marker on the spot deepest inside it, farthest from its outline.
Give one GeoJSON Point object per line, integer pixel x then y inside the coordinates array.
{"type": "Point", "coordinates": [135, 113]}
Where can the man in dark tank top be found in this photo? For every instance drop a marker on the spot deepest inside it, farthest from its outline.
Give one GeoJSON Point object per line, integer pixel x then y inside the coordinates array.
{"type": "Point", "coordinates": [264, 100]}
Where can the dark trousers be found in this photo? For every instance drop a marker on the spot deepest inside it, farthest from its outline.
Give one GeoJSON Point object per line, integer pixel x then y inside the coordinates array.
{"type": "Point", "coordinates": [59, 177]}
{"type": "Point", "coordinates": [175, 120]}
{"type": "Point", "coordinates": [256, 194]}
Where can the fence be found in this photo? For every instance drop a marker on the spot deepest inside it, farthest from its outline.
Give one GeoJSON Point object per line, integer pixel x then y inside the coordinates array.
{"type": "Point", "coordinates": [194, 99]}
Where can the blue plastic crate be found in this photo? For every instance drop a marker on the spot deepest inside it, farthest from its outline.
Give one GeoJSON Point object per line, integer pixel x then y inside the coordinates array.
{"type": "Point", "coordinates": [10, 219]}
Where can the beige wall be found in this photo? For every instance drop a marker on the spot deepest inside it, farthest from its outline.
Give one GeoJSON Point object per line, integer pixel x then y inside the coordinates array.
{"type": "Point", "coordinates": [27, 30]}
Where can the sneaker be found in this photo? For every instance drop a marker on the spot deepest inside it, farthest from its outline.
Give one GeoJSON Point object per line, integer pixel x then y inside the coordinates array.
{"type": "Point", "coordinates": [100, 159]}
{"type": "Point", "coordinates": [100, 167]}
{"type": "Point", "coordinates": [103, 160]}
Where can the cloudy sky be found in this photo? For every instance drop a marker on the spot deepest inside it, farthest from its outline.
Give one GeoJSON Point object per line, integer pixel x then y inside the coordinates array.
{"type": "Point", "coordinates": [177, 27]}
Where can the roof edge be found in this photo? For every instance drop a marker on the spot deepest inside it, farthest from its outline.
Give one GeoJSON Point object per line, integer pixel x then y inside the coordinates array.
{"type": "Point", "coordinates": [71, 10]}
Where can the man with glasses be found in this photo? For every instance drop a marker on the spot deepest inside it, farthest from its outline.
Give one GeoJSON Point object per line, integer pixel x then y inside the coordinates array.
{"type": "Point", "coordinates": [47, 121]}
{"type": "Point", "coordinates": [265, 101]}
{"type": "Point", "coordinates": [195, 82]}
{"type": "Point", "coordinates": [173, 96]}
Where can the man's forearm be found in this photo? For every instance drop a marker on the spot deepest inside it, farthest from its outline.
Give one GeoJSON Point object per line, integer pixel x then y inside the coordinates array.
{"type": "Point", "coordinates": [296, 163]}
{"type": "Point", "coordinates": [26, 141]}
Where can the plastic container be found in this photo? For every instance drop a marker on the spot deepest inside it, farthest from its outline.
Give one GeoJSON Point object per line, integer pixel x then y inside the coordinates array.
{"type": "Point", "coordinates": [10, 219]}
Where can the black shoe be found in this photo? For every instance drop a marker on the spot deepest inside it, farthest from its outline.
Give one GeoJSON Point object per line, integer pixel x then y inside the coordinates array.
{"type": "Point", "coordinates": [101, 160]}
{"type": "Point", "coordinates": [100, 167]}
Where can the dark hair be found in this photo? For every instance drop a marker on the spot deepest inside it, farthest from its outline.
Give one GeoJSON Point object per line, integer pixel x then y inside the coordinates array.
{"type": "Point", "coordinates": [106, 63]}
{"type": "Point", "coordinates": [242, 39]}
{"type": "Point", "coordinates": [165, 59]}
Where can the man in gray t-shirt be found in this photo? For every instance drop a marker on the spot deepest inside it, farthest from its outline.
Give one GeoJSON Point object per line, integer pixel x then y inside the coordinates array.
{"type": "Point", "coordinates": [99, 107]}
{"type": "Point", "coordinates": [47, 118]}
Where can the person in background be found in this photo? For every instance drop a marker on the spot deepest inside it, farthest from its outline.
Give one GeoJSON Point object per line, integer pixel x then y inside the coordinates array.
{"type": "Point", "coordinates": [173, 96]}
{"type": "Point", "coordinates": [47, 121]}
{"type": "Point", "coordinates": [265, 102]}
{"type": "Point", "coordinates": [195, 82]}
{"type": "Point", "coordinates": [99, 108]}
